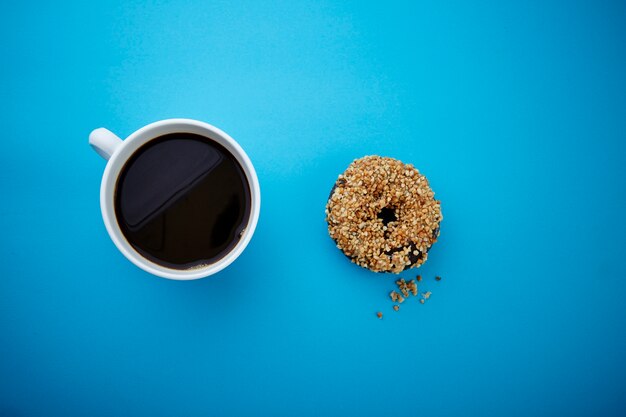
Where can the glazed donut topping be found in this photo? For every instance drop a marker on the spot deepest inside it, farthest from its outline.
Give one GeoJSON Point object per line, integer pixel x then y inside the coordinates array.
{"type": "Point", "coordinates": [382, 214]}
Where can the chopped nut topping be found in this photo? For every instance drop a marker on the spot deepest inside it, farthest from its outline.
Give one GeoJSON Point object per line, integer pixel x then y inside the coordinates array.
{"type": "Point", "coordinates": [396, 307]}
{"type": "Point", "coordinates": [379, 315]}
{"type": "Point", "coordinates": [383, 215]}
{"type": "Point", "coordinates": [422, 300]}
{"type": "Point", "coordinates": [427, 295]}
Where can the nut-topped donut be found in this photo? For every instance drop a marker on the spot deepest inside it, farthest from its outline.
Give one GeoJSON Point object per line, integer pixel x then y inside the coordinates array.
{"type": "Point", "coordinates": [382, 214]}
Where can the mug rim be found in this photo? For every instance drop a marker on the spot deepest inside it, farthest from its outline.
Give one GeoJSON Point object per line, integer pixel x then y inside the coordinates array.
{"type": "Point", "coordinates": [143, 136]}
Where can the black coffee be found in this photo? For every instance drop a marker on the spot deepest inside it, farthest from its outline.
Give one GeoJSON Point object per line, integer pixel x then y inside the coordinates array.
{"type": "Point", "coordinates": [182, 201]}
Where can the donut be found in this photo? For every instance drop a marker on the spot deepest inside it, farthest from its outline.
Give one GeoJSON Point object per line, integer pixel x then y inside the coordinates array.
{"type": "Point", "coordinates": [383, 215]}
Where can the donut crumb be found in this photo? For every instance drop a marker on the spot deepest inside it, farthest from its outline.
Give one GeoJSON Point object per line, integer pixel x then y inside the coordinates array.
{"type": "Point", "coordinates": [379, 315]}
{"type": "Point", "coordinates": [395, 297]}
{"type": "Point", "coordinates": [403, 287]}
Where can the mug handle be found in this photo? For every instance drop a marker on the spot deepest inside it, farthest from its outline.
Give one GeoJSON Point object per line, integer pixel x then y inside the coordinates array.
{"type": "Point", "coordinates": [104, 142]}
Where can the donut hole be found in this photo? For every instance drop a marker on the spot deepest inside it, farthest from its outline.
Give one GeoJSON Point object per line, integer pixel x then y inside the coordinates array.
{"type": "Point", "coordinates": [387, 215]}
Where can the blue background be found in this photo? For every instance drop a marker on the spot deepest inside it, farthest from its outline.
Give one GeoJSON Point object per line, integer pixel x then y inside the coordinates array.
{"type": "Point", "coordinates": [516, 112]}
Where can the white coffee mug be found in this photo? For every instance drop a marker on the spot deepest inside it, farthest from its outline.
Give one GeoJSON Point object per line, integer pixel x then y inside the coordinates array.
{"type": "Point", "coordinates": [118, 151]}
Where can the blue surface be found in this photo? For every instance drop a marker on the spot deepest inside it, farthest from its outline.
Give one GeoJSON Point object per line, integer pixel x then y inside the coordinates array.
{"type": "Point", "coordinates": [516, 112]}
